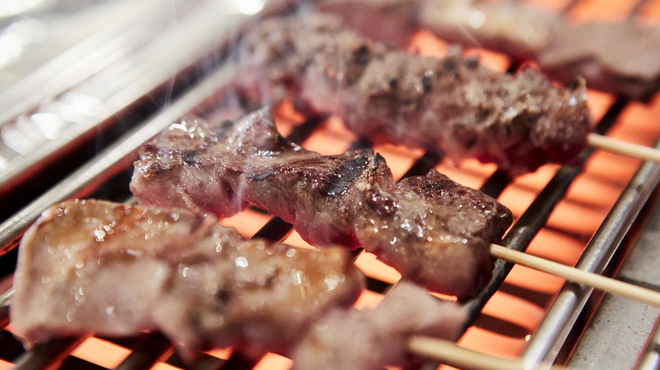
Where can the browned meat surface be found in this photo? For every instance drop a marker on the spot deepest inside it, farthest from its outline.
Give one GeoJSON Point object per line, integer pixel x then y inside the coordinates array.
{"type": "Point", "coordinates": [451, 105]}
{"type": "Point", "coordinates": [520, 31]}
{"type": "Point", "coordinates": [95, 266]}
{"type": "Point", "coordinates": [622, 58]}
{"type": "Point", "coordinates": [434, 231]}
{"type": "Point", "coordinates": [369, 340]}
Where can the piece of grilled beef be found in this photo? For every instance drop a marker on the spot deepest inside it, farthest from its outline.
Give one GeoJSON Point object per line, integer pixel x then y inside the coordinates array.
{"type": "Point", "coordinates": [96, 266]}
{"type": "Point", "coordinates": [431, 229]}
{"type": "Point", "coordinates": [451, 105]}
{"type": "Point", "coordinates": [354, 339]}
{"type": "Point", "coordinates": [599, 52]}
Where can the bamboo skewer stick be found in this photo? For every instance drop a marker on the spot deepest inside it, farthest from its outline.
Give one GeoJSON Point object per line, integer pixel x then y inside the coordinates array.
{"type": "Point", "coordinates": [573, 274]}
{"type": "Point", "coordinates": [623, 147]}
{"type": "Point", "coordinates": [452, 354]}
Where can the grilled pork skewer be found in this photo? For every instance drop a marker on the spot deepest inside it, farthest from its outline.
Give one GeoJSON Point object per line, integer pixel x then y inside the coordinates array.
{"type": "Point", "coordinates": [431, 229]}
{"type": "Point", "coordinates": [599, 52]}
{"type": "Point", "coordinates": [96, 266]}
{"type": "Point", "coordinates": [450, 105]}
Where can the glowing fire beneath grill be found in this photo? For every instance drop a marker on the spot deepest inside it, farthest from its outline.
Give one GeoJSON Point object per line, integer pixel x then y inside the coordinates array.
{"type": "Point", "coordinates": [568, 230]}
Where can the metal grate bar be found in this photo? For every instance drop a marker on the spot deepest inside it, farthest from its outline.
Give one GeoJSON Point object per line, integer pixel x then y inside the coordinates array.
{"type": "Point", "coordinates": [11, 348]}
{"type": "Point", "coordinates": [556, 325]}
{"type": "Point", "coordinates": [496, 183]}
{"type": "Point", "coordinates": [112, 160]}
{"type": "Point", "coordinates": [4, 307]}
{"type": "Point", "coordinates": [204, 362]}
{"type": "Point", "coordinates": [152, 350]}
{"type": "Point", "coordinates": [48, 355]}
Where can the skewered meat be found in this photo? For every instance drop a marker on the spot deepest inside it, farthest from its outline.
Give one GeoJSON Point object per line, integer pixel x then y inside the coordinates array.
{"type": "Point", "coordinates": [382, 334]}
{"type": "Point", "coordinates": [599, 52]}
{"type": "Point", "coordinates": [95, 266]}
{"type": "Point", "coordinates": [451, 105]}
{"type": "Point", "coordinates": [434, 231]}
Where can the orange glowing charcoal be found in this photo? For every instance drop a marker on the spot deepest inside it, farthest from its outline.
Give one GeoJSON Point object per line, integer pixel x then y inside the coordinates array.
{"type": "Point", "coordinates": [368, 299]}
{"type": "Point", "coordinates": [101, 352]}
{"type": "Point", "coordinates": [474, 166]}
{"type": "Point", "coordinates": [517, 199]}
{"type": "Point", "coordinates": [6, 365]}
{"type": "Point", "coordinates": [371, 267]}
{"type": "Point", "coordinates": [638, 117]}
{"type": "Point", "coordinates": [492, 60]}
{"type": "Point", "coordinates": [247, 222]}
{"type": "Point", "coordinates": [223, 353]}
{"type": "Point", "coordinates": [534, 280]}
{"type": "Point", "coordinates": [611, 167]}
{"type": "Point", "coordinates": [163, 366]}
{"type": "Point", "coordinates": [331, 138]}
{"type": "Point", "coordinates": [576, 218]}
{"type": "Point", "coordinates": [491, 343]}
{"type": "Point", "coordinates": [514, 310]}
{"type": "Point", "coordinates": [426, 44]}
{"type": "Point", "coordinates": [461, 176]}
{"type": "Point", "coordinates": [599, 102]}
{"type": "Point", "coordinates": [556, 246]}
{"type": "Point", "coordinates": [398, 158]}
{"type": "Point", "coordinates": [593, 192]}
{"type": "Point", "coordinates": [650, 13]}
{"type": "Point", "coordinates": [272, 361]}
{"type": "Point", "coordinates": [568, 215]}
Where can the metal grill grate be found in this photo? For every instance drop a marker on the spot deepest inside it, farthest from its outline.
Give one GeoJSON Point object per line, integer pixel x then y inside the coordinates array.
{"type": "Point", "coordinates": [545, 344]}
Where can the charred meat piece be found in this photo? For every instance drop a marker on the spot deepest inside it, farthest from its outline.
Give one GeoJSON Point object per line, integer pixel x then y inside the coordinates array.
{"type": "Point", "coordinates": [451, 105]}
{"type": "Point", "coordinates": [96, 266]}
{"type": "Point", "coordinates": [434, 231]}
{"type": "Point", "coordinates": [382, 334]}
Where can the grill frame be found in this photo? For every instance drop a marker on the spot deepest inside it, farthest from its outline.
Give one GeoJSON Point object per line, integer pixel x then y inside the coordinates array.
{"type": "Point", "coordinates": [542, 347]}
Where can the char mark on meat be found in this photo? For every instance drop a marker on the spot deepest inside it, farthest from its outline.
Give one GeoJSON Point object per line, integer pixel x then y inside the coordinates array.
{"type": "Point", "coordinates": [346, 175]}
{"type": "Point", "coordinates": [434, 231]}
{"type": "Point", "coordinates": [96, 266]}
{"type": "Point", "coordinates": [450, 105]}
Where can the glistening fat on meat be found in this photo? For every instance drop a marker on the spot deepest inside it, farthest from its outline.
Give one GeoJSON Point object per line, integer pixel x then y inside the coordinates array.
{"type": "Point", "coordinates": [94, 266]}
{"type": "Point", "coordinates": [433, 230]}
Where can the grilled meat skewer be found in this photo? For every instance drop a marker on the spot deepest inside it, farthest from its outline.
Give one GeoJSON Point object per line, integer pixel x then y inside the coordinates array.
{"type": "Point", "coordinates": [431, 229]}
{"type": "Point", "coordinates": [450, 105]}
{"type": "Point", "coordinates": [96, 266]}
{"type": "Point", "coordinates": [599, 52]}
